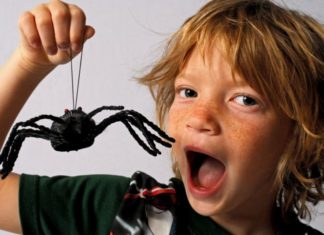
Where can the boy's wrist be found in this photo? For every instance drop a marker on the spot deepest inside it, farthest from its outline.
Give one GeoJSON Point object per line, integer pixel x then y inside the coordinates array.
{"type": "Point", "coordinates": [30, 70]}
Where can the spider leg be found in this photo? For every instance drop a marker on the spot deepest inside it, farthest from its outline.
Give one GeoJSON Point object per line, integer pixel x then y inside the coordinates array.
{"type": "Point", "coordinates": [147, 134]}
{"type": "Point", "coordinates": [150, 137]}
{"type": "Point", "coordinates": [142, 118]}
{"type": "Point", "coordinates": [30, 123]}
{"type": "Point", "coordinates": [140, 125]}
{"type": "Point", "coordinates": [141, 121]}
{"type": "Point", "coordinates": [94, 112]}
{"type": "Point", "coordinates": [153, 150]}
{"type": "Point", "coordinates": [129, 118]}
{"type": "Point", "coordinates": [10, 159]}
{"type": "Point", "coordinates": [118, 117]}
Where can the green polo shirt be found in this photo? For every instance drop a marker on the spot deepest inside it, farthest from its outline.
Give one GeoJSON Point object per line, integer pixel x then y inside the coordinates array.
{"type": "Point", "coordinates": [87, 205]}
{"type": "Point", "coordinates": [83, 205]}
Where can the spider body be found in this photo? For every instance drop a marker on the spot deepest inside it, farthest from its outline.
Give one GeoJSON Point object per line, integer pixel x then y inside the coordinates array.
{"type": "Point", "coordinates": [76, 130]}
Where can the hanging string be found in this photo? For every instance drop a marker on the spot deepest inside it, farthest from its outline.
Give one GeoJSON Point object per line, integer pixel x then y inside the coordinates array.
{"type": "Point", "coordinates": [75, 97]}
{"type": "Point", "coordinates": [79, 75]}
{"type": "Point", "coordinates": [72, 78]}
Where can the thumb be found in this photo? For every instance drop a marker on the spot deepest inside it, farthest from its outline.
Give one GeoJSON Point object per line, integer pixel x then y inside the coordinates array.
{"type": "Point", "coordinates": [89, 32]}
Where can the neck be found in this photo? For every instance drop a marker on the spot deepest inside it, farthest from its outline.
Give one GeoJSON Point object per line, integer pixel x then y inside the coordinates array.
{"type": "Point", "coordinates": [260, 225]}
{"type": "Point", "coordinates": [260, 220]}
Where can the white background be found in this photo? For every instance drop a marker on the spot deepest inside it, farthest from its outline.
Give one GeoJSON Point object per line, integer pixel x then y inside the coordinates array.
{"type": "Point", "coordinates": [129, 36]}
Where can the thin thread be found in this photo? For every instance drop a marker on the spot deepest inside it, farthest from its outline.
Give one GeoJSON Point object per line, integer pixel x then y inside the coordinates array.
{"type": "Point", "coordinates": [79, 75]}
{"type": "Point", "coordinates": [75, 97]}
{"type": "Point", "coordinates": [72, 79]}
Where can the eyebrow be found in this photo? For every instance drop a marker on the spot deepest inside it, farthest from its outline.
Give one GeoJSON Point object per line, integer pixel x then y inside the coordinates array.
{"type": "Point", "coordinates": [238, 80]}
{"type": "Point", "coordinates": [183, 75]}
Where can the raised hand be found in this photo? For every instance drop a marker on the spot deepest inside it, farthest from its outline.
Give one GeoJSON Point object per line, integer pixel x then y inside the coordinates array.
{"type": "Point", "coordinates": [48, 32]}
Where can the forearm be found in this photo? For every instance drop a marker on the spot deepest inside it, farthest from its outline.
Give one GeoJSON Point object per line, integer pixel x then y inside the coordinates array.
{"type": "Point", "coordinates": [9, 204]}
{"type": "Point", "coordinates": [16, 85]}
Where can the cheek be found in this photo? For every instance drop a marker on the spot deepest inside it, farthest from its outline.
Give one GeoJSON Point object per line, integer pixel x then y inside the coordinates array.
{"type": "Point", "coordinates": [260, 142]}
{"type": "Point", "coordinates": [175, 122]}
{"type": "Point", "coordinates": [175, 125]}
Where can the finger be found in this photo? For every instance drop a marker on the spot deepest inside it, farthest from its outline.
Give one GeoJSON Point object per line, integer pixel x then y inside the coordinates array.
{"type": "Point", "coordinates": [77, 28]}
{"type": "Point", "coordinates": [45, 28]}
{"type": "Point", "coordinates": [61, 18]}
{"type": "Point", "coordinates": [89, 32]}
{"type": "Point", "coordinates": [28, 30]}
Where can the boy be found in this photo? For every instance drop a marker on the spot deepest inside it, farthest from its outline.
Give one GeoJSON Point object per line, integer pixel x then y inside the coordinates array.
{"type": "Point", "coordinates": [240, 88]}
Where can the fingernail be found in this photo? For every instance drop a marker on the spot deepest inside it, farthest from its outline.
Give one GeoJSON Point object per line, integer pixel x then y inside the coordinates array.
{"type": "Point", "coordinates": [76, 47]}
{"type": "Point", "coordinates": [64, 46]}
{"type": "Point", "coordinates": [51, 50]}
{"type": "Point", "coordinates": [35, 44]}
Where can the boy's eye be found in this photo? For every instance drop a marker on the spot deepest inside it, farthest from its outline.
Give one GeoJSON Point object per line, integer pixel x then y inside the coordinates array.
{"type": "Point", "coordinates": [245, 100]}
{"type": "Point", "coordinates": [187, 93]}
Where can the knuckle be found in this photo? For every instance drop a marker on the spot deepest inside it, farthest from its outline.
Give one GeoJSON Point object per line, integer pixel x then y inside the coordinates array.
{"type": "Point", "coordinates": [42, 16]}
{"type": "Point", "coordinates": [61, 14]}
{"type": "Point", "coordinates": [40, 8]}
{"type": "Point", "coordinates": [77, 13]}
{"type": "Point", "coordinates": [25, 18]}
{"type": "Point", "coordinates": [44, 21]}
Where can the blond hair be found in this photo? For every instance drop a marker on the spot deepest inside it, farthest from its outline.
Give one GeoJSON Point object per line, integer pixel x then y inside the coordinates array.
{"type": "Point", "coordinates": [280, 53]}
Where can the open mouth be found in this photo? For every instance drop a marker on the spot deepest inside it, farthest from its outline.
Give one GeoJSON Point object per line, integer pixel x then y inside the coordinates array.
{"type": "Point", "coordinates": [205, 171]}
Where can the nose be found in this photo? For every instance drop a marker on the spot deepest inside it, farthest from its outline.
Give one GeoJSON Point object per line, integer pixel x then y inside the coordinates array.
{"type": "Point", "coordinates": [203, 120]}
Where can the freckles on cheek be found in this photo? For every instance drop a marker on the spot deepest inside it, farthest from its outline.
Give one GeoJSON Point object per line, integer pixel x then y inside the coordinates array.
{"type": "Point", "coordinates": [247, 138]}
{"type": "Point", "coordinates": [174, 122]}
{"type": "Point", "coordinates": [261, 142]}
{"type": "Point", "coordinates": [240, 132]}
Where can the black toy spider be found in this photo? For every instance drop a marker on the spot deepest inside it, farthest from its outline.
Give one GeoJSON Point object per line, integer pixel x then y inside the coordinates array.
{"type": "Point", "coordinates": [76, 130]}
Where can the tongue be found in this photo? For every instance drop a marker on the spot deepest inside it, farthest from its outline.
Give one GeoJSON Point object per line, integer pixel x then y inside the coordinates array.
{"type": "Point", "coordinates": [210, 172]}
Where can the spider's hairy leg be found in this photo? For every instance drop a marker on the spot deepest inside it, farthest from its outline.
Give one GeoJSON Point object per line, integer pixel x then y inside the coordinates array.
{"type": "Point", "coordinates": [138, 116]}
{"type": "Point", "coordinates": [153, 150]}
{"type": "Point", "coordinates": [120, 117]}
{"type": "Point", "coordinates": [112, 108]}
{"type": "Point", "coordinates": [10, 159]}
{"type": "Point", "coordinates": [129, 118]}
{"type": "Point", "coordinates": [30, 123]}
{"type": "Point", "coordinates": [139, 121]}
{"type": "Point", "coordinates": [150, 137]}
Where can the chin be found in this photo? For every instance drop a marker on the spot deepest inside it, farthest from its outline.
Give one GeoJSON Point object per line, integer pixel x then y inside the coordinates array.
{"type": "Point", "coordinates": [207, 208]}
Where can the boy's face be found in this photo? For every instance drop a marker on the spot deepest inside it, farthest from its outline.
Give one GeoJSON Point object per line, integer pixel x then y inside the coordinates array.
{"type": "Point", "coordinates": [228, 140]}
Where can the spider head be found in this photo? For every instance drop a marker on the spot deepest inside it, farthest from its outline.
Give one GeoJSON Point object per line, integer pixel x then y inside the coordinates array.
{"type": "Point", "coordinates": [74, 132]}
